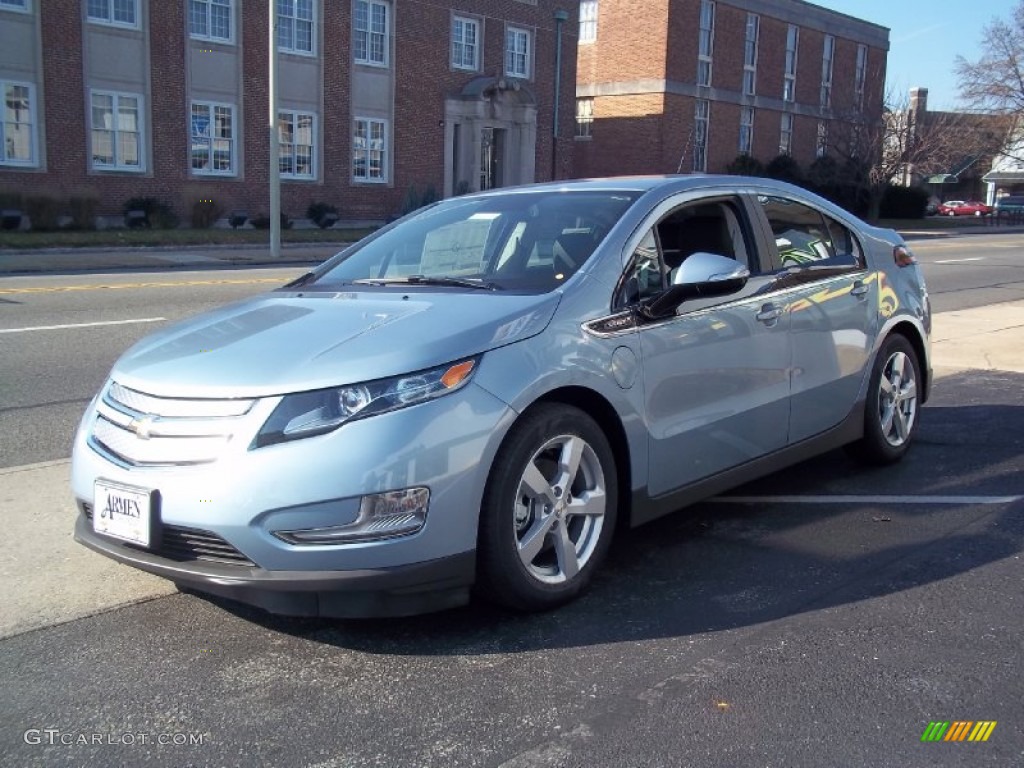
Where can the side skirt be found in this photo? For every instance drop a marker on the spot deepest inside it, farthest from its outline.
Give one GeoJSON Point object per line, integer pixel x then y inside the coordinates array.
{"type": "Point", "coordinates": [645, 508]}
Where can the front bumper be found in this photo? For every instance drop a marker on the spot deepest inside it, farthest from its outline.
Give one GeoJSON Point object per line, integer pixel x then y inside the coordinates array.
{"type": "Point", "coordinates": [399, 591]}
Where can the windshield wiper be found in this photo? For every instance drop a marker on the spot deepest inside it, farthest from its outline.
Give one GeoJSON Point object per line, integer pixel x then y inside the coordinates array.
{"type": "Point", "coordinates": [456, 282]}
{"type": "Point", "coordinates": [300, 281]}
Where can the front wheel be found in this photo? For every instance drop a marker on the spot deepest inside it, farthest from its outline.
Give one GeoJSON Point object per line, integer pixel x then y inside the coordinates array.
{"type": "Point", "coordinates": [549, 510]}
{"type": "Point", "coordinates": [890, 415]}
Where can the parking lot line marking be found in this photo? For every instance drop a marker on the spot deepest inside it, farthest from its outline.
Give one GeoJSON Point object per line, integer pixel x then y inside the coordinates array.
{"type": "Point", "coordinates": [124, 286]}
{"type": "Point", "coordinates": [866, 499]}
{"type": "Point", "coordinates": [82, 325]}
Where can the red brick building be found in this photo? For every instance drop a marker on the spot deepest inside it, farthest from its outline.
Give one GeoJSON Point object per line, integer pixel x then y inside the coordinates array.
{"type": "Point", "coordinates": [112, 99]}
{"type": "Point", "coordinates": [688, 85]}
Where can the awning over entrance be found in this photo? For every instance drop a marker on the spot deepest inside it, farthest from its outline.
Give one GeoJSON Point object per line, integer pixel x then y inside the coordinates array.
{"type": "Point", "coordinates": [1004, 177]}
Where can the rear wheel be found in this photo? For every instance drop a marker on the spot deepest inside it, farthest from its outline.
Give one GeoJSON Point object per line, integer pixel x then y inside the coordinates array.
{"type": "Point", "coordinates": [549, 510]}
{"type": "Point", "coordinates": [890, 416]}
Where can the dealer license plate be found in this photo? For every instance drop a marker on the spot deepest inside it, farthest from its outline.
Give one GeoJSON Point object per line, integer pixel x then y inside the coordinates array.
{"type": "Point", "coordinates": [122, 512]}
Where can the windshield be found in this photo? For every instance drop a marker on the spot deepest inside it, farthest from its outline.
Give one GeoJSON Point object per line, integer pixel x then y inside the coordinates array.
{"type": "Point", "coordinates": [527, 242]}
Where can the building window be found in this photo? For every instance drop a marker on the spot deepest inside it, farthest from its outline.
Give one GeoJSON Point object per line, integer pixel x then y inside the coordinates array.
{"type": "Point", "coordinates": [707, 42]}
{"type": "Point", "coordinates": [18, 127]}
{"type": "Point", "coordinates": [827, 55]}
{"type": "Point", "coordinates": [750, 55]}
{"type": "Point", "coordinates": [746, 130]}
{"type": "Point", "coordinates": [786, 134]}
{"type": "Point", "coordinates": [116, 131]}
{"type": "Point", "coordinates": [370, 39]}
{"type": "Point", "coordinates": [584, 118]}
{"type": "Point", "coordinates": [213, 138]}
{"type": "Point", "coordinates": [860, 75]}
{"type": "Point", "coordinates": [789, 82]}
{"type": "Point", "coordinates": [296, 133]}
{"type": "Point", "coordinates": [210, 19]}
{"type": "Point", "coordinates": [296, 23]}
{"type": "Point", "coordinates": [465, 43]}
{"type": "Point", "coordinates": [517, 52]}
{"type": "Point", "coordinates": [588, 21]}
{"type": "Point", "coordinates": [14, 5]}
{"type": "Point", "coordinates": [369, 150]}
{"type": "Point", "coordinates": [120, 13]}
{"type": "Point", "coordinates": [821, 147]}
{"type": "Point", "coordinates": [701, 120]}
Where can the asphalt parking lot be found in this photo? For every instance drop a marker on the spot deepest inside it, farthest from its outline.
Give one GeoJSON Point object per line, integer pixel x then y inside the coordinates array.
{"type": "Point", "coordinates": [773, 631]}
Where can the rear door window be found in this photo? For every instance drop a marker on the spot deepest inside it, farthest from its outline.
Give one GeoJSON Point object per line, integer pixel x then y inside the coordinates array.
{"type": "Point", "coordinates": [806, 237]}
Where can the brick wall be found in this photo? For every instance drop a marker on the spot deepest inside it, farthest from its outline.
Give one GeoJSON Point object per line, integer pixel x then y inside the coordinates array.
{"type": "Point", "coordinates": [423, 79]}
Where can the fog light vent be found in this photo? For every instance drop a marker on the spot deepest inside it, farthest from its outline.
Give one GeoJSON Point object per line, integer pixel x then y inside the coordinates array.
{"type": "Point", "coordinates": [381, 516]}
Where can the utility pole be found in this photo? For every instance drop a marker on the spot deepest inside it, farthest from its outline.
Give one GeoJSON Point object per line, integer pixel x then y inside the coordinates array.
{"type": "Point", "coordinates": [275, 148]}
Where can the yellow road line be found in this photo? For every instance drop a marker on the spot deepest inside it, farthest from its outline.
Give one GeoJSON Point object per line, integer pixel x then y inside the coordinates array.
{"type": "Point", "coordinates": [125, 286]}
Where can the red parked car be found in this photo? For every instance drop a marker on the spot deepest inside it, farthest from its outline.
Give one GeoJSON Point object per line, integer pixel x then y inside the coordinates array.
{"type": "Point", "coordinates": [964, 208]}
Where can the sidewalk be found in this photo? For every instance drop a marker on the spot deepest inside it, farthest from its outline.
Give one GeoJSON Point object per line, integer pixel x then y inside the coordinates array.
{"type": "Point", "coordinates": [58, 260]}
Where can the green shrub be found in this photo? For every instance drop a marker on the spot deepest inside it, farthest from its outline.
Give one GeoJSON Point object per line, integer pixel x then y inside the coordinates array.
{"type": "Point", "coordinates": [784, 168]}
{"type": "Point", "coordinates": [158, 215]}
{"type": "Point", "coordinates": [903, 202]}
{"type": "Point", "coordinates": [44, 212]}
{"type": "Point", "coordinates": [412, 200]}
{"type": "Point", "coordinates": [205, 213]}
{"type": "Point", "coordinates": [263, 221]}
{"type": "Point", "coordinates": [82, 209]}
{"type": "Point", "coordinates": [745, 165]}
{"type": "Point", "coordinates": [322, 214]}
{"type": "Point", "coordinates": [429, 196]}
{"type": "Point", "coordinates": [462, 188]}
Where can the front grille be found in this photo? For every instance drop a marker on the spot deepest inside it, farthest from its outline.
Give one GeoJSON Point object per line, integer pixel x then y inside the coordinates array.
{"type": "Point", "coordinates": [138, 429]}
{"type": "Point", "coordinates": [188, 544]}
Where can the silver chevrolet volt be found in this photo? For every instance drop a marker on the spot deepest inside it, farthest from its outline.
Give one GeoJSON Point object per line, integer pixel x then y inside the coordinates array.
{"type": "Point", "coordinates": [476, 397]}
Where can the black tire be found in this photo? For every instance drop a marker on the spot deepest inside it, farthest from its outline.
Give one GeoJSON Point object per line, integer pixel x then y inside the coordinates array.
{"type": "Point", "coordinates": [524, 558]}
{"type": "Point", "coordinates": [891, 410]}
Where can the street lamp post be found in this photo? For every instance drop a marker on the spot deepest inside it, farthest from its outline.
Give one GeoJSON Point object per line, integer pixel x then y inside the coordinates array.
{"type": "Point", "coordinates": [561, 17]}
{"type": "Point", "coordinates": [275, 148]}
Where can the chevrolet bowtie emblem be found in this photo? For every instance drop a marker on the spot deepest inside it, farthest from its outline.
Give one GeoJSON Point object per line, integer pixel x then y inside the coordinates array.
{"type": "Point", "coordinates": [143, 426]}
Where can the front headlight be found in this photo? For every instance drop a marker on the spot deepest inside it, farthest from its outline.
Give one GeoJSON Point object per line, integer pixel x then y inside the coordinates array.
{"type": "Point", "coordinates": [305, 414]}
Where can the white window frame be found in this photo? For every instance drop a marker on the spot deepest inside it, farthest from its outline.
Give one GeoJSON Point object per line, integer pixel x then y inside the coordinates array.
{"type": "Point", "coordinates": [701, 131]}
{"type": "Point", "coordinates": [365, 151]}
{"type": "Point", "coordinates": [108, 19]}
{"type": "Point", "coordinates": [118, 165]}
{"type": "Point", "coordinates": [208, 7]}
{"type": "Point", "coordinates": [585, 118]}
{"type": "Point", "coordinates": [514, 35]}
{"type": "Point", "coordinates": [860, 74]}
{"type": "Point", "coordinates": [16, 6]}
{"type": "Point", "coordinates": [33, 126]}
{"type": "Point", "coordinates": [588, 21]}
{"type": "Point", "coordinates": [705, 42]}
{"type": "Point", "coordinates": [292, 116]}
{"type": "Point", "coordinates": [746, 145]}
{"type": "Point", "coordinates": [368, 58]}
{"type": "Point", "coordinates": [290, 46]}
{"type": "Point", "coordinates": [790, 63]}
{"type": "Point", "coordinates": [751, 43]}
{"type": "Point", "coordinates": [212, 106]}
{"type": "Point", "coordinates": [828, 55]}
{"type": "Point", "coordinates": [466, 23]}
{"type": "Point", "coordinates": [821, 145]}
{"type": "Point", "coordinates": [786, 134]}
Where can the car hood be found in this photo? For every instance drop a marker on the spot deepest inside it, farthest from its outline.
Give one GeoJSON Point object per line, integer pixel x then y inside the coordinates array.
{"type": "Point", "coordinates": [294, 341]}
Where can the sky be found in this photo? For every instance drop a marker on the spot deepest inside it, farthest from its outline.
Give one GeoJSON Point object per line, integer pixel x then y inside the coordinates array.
{"type": "Point", "coordinates": [925, 37]}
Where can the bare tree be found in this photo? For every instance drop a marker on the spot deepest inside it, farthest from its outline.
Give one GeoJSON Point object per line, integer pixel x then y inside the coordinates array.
{"type": "Point", "coordinates": [995, 82]}
{"type": "Point", "coordinates": [903, 145]}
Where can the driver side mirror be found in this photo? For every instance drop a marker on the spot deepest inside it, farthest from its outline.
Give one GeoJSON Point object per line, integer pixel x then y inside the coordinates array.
{"type": "Point", "coordinates": [701, 275]}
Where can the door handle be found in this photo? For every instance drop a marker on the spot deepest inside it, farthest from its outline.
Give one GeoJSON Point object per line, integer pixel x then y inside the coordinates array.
{"type": "Point", "coordinates": [769, 314]}
{"type": "Point", "coordinates": [860, 288]}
